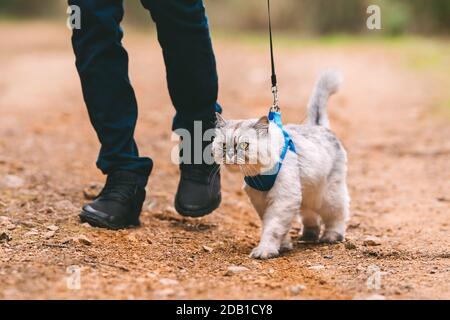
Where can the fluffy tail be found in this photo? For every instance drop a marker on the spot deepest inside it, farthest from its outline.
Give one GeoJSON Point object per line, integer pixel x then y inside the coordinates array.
{"type": "Point", "coordinates": [327, 85]}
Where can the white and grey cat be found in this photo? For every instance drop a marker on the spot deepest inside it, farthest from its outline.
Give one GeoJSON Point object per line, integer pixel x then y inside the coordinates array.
{"type": "Point", "coordinates": [311, 182]}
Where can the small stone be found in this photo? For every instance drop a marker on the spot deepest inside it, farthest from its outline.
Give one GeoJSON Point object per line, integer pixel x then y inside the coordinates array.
{"type": "Point", "coordinates": [28, 224]}
{"type": "Point", "coordinates": [49, 234]}
{"type": "Point", "coordinates": [82, 239]}
{"type": "Point", "coordinates": [317, 268]}
{"type": "Point", "coordinates": [11, 226]}
{"type": "Point", "coordinates": [67, 240]}
{"type": "Point", "coordinates": [207, 249]}
{"type": "Point", "coordinates": [52, 227]}
{"type": "Point", "coordinates": [371, 241]}
{"type": "Point", "coordinates": [232, 270]}
{"type": "Point", "coordinates": [372, 253]}
{"type": "Point", "coordinates": [328, 256]}
{"type": "Point", "coordinates": [350, 246]}
{"type": "Point", "coordinates": [168, 282]}
{"type": "Point", "coordinates": [296, 289]}
{"type": "Point", "coordinates": [4, 237]}
{"type": "Point", "coordinates": [31, 233]}
{"type": "Point", "coordinates": [13, 182]}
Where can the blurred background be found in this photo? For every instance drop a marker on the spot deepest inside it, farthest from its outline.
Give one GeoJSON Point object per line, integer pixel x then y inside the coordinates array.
{"type": "Point", "coordinates": [309, 17]}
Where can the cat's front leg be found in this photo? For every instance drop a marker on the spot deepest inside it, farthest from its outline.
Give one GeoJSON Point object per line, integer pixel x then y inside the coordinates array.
{"type": "Point", "coordinates": [282, 203]}
{"type": "Point", "coordinates": [277, 221]}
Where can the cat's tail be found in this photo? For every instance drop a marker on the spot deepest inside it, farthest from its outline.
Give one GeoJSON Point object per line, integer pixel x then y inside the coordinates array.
{"type": "Point", "coordinates": [327, 85]}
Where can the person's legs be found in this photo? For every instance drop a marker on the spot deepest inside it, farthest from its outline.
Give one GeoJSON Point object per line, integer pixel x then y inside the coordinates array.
{"type": "Point", "coordinates": [102, 64]}
{"type": "Point", "coordinates": [183, 33]}
{"type": "Point", "coordinates": [184, 36]}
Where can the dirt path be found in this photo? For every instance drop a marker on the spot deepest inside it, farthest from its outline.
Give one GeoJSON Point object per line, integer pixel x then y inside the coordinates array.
{"type": "Point", "coordinates": [399, 180]}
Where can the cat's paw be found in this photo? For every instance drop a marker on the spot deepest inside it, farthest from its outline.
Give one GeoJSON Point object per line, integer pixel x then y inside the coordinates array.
{"type": "Point", "coordinates": [331, 237]}
{"type": "Point", "coordinates": [264, 252]}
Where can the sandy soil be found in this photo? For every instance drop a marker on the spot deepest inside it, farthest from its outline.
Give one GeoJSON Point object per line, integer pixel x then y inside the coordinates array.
{"type": "Point", "coordinates": [399, 177]}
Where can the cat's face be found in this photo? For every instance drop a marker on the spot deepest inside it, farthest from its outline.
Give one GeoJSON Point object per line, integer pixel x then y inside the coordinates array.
{"type": "Point", "coordinates": [243, 145]}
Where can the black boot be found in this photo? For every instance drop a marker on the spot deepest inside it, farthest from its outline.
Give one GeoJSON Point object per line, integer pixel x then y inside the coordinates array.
{"type": "Point", "coordinates": [119, 204]}
{"type": "Point", "coordinates": [199, 190]}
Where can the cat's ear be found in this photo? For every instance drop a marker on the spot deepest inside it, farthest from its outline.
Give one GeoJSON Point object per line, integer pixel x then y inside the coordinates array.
{"type": "Point", "coordinates": [220, 122]}
{"type": "Point", "coordinates": [262, 124]}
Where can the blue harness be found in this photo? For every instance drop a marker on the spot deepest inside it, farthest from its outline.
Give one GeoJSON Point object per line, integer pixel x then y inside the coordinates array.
{"type": "Point", "coordinates": [265, 182]}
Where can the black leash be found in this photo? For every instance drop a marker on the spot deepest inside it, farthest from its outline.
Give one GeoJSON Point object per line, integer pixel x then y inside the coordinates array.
{"type": "Point", "coordinates": [275, 106]}
{"type": "Point", "coordinates": [272, 59]}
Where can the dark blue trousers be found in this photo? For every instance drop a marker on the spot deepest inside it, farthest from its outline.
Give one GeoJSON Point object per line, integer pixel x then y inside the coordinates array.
{"type": "Point", "coordinates": [102, 64]}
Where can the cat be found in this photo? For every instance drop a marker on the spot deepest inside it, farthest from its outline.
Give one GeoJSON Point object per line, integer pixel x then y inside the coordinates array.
{"type": "Point", "coordinates": [312, 179]}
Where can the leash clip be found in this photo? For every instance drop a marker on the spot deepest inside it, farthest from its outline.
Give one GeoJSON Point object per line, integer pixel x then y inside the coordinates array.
{"type": "Point", "coordinates": [275, 106]}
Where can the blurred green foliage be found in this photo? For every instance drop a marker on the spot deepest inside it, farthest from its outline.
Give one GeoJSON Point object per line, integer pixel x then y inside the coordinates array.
{"type": "Point", "coordinates": [27, 8]}
{"type": "Point", "coordinates": [304, 16]}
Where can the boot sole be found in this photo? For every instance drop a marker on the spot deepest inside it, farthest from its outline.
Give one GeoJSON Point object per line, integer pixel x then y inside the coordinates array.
{"type": "Point", "coordinates": [198, 213]}
{"type": "Point", "coordinates": [97, 221]}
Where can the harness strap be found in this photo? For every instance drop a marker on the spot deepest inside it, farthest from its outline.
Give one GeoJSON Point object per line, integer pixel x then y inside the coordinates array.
{"type": "Point", "coordinates": [265, 181]}
{"type": "Point", "coordinates": [289, 144]}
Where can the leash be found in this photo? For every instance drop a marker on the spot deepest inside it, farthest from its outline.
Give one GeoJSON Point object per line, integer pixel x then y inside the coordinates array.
{"type": "Point", "coordinates": [275, 106]}
{"type": "Point", "coordinates": [265, 181]}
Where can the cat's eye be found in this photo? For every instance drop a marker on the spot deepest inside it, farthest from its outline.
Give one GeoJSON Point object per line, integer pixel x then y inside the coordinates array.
{"type": "Point", "coordinates": [244, 146]}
